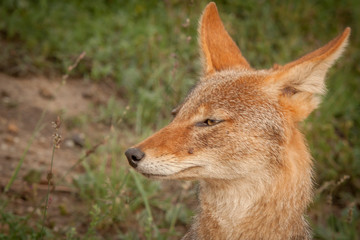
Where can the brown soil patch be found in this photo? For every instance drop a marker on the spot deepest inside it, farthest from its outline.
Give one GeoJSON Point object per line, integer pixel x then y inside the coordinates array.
{"type": "Point", "coordinates": [22, 102]}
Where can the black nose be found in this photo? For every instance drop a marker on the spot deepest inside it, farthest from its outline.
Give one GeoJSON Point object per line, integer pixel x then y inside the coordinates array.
{"type": "Point", "coordinates": [134, 155]}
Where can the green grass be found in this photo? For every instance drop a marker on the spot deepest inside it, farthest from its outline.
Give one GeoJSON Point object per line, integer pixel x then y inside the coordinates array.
{"type": "Point", "coordinates": [151, 54]}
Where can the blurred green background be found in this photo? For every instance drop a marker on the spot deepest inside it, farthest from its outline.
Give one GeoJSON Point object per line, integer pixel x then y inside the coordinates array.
{"type": "Point", "coordinates": [149, 50]}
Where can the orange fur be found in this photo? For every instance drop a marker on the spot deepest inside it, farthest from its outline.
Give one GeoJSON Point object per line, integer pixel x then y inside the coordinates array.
{"type": "Point", "coordinates": [236, 133]}
{"type": "Point", "coordinates": [220, 51]}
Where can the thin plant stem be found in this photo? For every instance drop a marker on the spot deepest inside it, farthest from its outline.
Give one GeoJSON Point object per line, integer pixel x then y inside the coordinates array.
{"type": "Point", "coordinates": [62, 179]}
{"type": "Point", "coordinates": [48, 192]}
{"type": "Point", "coordinates": [56, 144]}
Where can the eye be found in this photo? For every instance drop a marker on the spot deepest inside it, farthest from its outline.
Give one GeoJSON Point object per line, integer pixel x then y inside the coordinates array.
{"type": "Point", "coordinates": [208, 122]}
{"type": "Point", "coordinates": [175, 111]}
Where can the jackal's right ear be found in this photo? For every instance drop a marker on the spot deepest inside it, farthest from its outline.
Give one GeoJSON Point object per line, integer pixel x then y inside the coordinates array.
{"type": "Point", "coordinates": [218, 50]}
{"type": "Point", "coordinates": [301, 83]}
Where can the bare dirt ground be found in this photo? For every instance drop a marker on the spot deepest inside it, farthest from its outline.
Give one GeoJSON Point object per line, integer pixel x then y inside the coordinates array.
{"type": "Point", "coordinates": [22, 103]}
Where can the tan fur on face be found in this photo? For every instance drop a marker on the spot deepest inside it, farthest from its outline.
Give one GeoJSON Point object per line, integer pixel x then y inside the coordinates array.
{"type": "Point", "coordinates": [252, 162]}
{"type": "Point", "coordinates": [259, 136]}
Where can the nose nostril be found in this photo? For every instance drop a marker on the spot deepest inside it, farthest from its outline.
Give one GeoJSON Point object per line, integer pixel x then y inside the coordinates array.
{"type": "Point", "coordinates": [134, 155]}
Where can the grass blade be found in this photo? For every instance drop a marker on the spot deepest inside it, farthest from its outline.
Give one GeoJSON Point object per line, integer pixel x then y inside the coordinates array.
{"type": "Point", "coordinates": [38, 128]}
{"type": "Point", "coordinates": [143, 194]}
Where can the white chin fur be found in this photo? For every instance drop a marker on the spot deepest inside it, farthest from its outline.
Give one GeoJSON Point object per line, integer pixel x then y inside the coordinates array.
{"type": "Point", "coordinates": [158, 167]}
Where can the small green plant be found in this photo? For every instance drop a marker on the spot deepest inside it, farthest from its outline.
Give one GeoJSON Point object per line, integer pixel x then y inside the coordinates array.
{"type": "Point", "coordinates": [13, 227]}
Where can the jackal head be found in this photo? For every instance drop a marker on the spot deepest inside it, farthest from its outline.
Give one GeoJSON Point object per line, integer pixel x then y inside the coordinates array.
{"type": "Point", "coordinates": [237, 121]}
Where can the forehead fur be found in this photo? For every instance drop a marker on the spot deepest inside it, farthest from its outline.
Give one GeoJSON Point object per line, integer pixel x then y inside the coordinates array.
{"type": "Point", "coordinates": [225, 90]}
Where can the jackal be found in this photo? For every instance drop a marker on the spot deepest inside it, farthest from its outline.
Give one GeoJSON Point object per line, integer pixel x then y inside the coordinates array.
{"type": "Point", "coordinates": [237, 133]}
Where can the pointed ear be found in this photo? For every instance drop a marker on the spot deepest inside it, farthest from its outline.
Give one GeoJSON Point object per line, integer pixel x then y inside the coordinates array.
{"type": "Point", "coordinates": [300, 83]}
{"type": "Point", "coordinates": [218, 50]}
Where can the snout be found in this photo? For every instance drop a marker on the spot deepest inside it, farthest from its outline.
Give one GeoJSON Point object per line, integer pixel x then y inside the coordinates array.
{"type": "Point", "coordinates": [134, 156]}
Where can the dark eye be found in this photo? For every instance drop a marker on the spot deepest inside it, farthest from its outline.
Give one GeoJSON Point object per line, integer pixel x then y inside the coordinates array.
{"type": "Point", "coordinates": [208, 122]}
{"type": "Point", "coordinates": [175, 111]}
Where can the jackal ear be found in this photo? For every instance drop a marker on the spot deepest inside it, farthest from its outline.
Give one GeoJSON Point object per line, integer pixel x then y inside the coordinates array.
{"type": "Point", "coordinates": [218, 50]}
{"type": "Point", "coordinates": [301, 83]}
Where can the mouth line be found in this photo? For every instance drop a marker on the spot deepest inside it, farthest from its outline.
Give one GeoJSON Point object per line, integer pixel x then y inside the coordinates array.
{"type": "Point", "coordinates": [164, 176]}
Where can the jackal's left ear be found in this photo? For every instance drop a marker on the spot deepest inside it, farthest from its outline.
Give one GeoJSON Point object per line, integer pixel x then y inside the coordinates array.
{"type": "Point", "coordinates": [300, 83]}
{"type": "Point", "coordinates": [218, 50]}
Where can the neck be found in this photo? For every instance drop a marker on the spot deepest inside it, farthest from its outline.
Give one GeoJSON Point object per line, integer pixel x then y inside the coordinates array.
{"type": "Point", "coordinates": [252, 209]}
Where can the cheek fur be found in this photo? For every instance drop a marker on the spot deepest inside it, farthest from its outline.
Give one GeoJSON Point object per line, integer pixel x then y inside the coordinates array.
{"type": "Point", "coordinates": [210, 137]}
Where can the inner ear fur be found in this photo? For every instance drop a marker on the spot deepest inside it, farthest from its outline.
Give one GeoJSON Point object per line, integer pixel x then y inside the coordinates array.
{"type": "Point", "coordinates": [300, 84]}
{"type": "Point", "coordinates": [218, 50]}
